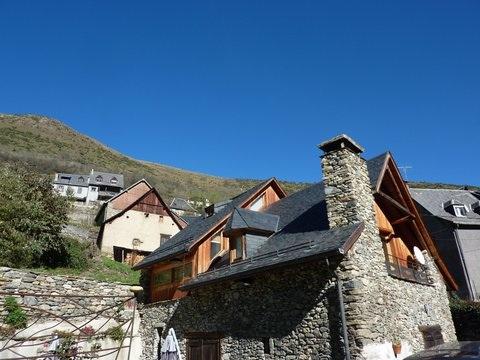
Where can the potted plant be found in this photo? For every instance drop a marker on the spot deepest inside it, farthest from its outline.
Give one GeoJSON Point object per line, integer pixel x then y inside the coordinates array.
{"type": "Point", "coordinates": [397, 347]}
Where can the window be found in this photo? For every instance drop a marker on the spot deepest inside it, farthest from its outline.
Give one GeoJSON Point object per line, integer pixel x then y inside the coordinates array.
{"type": "Point", "coordinates": [236, 248]}
{"type": "Point", "coordinates": [114, 180]}
{"type": "Point", "coordinates": [164, 238]}
{"type": "Point", "coordinates": [60, 187]}
{"type": "Point", "coordinates": [94, 189]}
{"type": "Point", "coordinates": [173, 275]}
{"type": "Point", "coordinates": [432, 335]}
{"type": "Point", "coordinates": [160, 219]}
{"type": "Point", "coordinates": [99, 178]}
{"type": "Point", "coordinates": [258, 204]}
{"type": "Point", "coordinates": [460, 210]}
{"type": "Point", "coordinates": [215, 245]}
{"type": "Point", "coordinates": [79, 190]}
{"type": "Point", "coordinates": [81, 179]}
{"type": "Point", "coordinates": [162, 278]}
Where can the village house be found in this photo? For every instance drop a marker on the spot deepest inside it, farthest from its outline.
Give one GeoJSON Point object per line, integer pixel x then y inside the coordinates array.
{"type": "Point", "coordinates": [340, 270]}
{"type": "Point", "coordinates": [182, 207]}
{"type": "Point", "coordinates": [135, 222]}
{"type": "Point", "coordinates": [88, 187]}
{"type": "Point", "coordinates": [453, 219]}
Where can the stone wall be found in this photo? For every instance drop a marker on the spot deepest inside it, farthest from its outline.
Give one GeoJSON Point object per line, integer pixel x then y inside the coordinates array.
{"type": "Point", "coordinates": [296, 310]}
{"type": "Point", "coordinates": [67, 305]}
{"type": "Point", "coordinates": [16, 281]}
{"type": "Point", "coordinates": [380, 309]}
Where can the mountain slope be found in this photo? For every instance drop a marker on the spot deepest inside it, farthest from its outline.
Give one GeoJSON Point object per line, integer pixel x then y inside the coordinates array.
{"type": "Point", "coordinates": [51, 146]}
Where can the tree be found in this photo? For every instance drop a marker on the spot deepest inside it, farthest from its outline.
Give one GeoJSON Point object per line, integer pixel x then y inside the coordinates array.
{"type": "Point", "coordinates": [32, 216]}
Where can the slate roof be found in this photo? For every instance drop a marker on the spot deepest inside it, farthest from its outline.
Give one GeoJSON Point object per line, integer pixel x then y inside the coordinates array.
{"type": "Point", "coordinates": [375, 167]}
{"type": "Point", "coordinates": [433, 201]}
{"type": "Point", "coordinates": [301, 215]}
{"type": "Point", "coordinates": [181, 204]}
{"type": "Point", "coordinates": [244, 219]}
{"type": "Point", "coordinates": [306, 247]}
{"type": "Point", "coordinates": [89, 179]}
{"type": "Point", "coordinates": [106, 179]}
{"type": "Point", "coordinates": [74, 179]}
{"type": "Point", "coordinates": [180, 242]}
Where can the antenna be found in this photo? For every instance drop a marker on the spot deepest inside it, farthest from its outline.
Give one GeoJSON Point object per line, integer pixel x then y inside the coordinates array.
{"type": "Point", "coordinates": [404, 169]}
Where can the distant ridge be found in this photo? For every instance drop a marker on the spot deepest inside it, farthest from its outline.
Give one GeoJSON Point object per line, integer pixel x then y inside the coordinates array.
{"type": "Point", "coordinates": [51, 146]}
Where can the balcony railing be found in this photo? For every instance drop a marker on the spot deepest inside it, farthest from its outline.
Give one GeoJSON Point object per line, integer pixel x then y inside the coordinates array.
{"type": "Point", "coordinates": [407, 269]}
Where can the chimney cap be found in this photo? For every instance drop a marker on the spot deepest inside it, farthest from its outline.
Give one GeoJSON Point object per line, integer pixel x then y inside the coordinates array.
{"type": "Point", "coordinates": [340, 142]}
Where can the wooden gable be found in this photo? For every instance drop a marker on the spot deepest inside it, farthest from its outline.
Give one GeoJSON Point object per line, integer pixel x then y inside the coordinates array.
{"type": "Point", "coordinates": [400, 223]}
{"type": "Point", "coordinates": [129, 195]}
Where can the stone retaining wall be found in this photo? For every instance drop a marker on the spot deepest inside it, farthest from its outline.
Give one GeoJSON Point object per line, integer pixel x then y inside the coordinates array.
{"type": "Point", "coordinates": [15, 281]}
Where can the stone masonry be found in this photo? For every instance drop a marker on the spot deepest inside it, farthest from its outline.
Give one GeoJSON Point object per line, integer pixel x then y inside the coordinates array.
{"type": "Point", "coordinates": [15, 281]}
{"type": "Point", "coordinates": [380, 309]}
{"type": "Point", "coordinates": [296, 310]}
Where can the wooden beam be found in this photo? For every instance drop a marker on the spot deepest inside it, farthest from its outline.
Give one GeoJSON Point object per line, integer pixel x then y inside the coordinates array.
{"type": "Point", "coordinates": [395, 203]}
{"type": "Point", "coordinates": [402, 219]}
{"type": "Point", "coordinates": [395, 185]}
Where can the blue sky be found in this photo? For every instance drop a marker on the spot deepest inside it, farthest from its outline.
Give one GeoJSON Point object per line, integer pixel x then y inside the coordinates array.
{"type": "Point", "coordinates": [249, 88]}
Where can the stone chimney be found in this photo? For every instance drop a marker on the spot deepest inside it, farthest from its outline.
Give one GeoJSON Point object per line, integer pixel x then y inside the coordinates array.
{"type": "Point", "coordinates": [348, 191]}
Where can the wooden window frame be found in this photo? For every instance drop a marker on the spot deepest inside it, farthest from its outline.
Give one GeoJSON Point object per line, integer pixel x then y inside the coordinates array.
{"type": "Point", "coordinates": [233, 250]}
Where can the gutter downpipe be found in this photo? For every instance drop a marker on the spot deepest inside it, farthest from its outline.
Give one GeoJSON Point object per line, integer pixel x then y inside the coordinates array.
{"type": "Point", "coordinates": [342, 313]}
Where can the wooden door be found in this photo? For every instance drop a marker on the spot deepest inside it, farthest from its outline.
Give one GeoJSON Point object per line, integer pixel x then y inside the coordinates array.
{"type": "Point", "coordinates": [203, 349]}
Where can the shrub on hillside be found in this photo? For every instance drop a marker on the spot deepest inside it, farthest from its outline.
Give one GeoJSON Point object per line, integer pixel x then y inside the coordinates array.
{"type": "Point", "coordinates": [31, 220]}
{"type": "Point", "coordinates": [466, 318]}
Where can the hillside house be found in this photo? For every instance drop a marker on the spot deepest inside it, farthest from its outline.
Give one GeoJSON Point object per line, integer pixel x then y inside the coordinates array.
{"type": "Point", "coordinates": [134, 223]}
{"type": "Point", "coordinates": [339, 270]}
{"type": "Point", "coordinates": [88, 187]}
{"type": "Point", "coordinates": [453, 219]}
{"type": "Point", "coordinates": [182, 207]}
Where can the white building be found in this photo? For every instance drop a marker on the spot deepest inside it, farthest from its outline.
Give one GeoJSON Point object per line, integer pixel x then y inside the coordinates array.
{"type": "Point", "coordinates": [92, 187]}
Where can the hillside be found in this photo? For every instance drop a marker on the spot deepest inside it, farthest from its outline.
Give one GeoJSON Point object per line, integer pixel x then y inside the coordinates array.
{"type": "Point", "coordinates": [51, 146]}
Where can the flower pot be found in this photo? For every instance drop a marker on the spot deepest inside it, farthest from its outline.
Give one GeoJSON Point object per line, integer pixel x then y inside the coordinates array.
{"type": "Point", "coordinates": [397, 348]}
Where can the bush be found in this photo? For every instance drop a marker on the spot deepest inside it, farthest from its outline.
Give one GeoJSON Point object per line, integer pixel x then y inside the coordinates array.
{"type": "Point", "coordinates": [115, 333]}
{"type": "Point", "coordinates": [466, 318]}
{"type": "Point", "coordinates": [31, 220]}
{"type": "Point", "coordinates": [16, 316]}
{"type": "Point", "coordinates": [76, 254]}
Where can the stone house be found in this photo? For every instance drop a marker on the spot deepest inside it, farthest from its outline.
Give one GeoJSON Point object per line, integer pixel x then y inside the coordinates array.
{"type": "Point", "coordinates": [88, 187]}
{"type": "Point", "coordinates": [135, 222]}
{"type": "Point", "coordinates": [339, 270]}
{"type": "Point", "coordinates": [453, 219]}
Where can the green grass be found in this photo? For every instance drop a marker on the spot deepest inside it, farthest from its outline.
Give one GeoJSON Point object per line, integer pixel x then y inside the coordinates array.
{"type": "Point", "coordinates": [102, 269]}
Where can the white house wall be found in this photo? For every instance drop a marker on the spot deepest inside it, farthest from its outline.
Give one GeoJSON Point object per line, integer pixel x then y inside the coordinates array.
{"type": "Point", "coordinates": [137, 225]}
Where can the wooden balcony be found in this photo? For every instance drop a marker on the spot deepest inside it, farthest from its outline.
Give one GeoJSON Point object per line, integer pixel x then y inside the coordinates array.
{"type": "Point", "coordinates": [406, 269]}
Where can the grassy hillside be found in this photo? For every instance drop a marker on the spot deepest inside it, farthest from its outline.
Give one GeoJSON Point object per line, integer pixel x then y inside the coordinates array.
{"type": "Point", "coordinates": [50, 146]}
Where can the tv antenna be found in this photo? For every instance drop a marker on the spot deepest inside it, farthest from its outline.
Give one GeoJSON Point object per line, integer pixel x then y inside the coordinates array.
{"type": "Point", "coordinates": [405, 169]}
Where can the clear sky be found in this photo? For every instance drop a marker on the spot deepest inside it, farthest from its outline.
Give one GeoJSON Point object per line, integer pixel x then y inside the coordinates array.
{"type": "Point", "coordinates": [249, 88]}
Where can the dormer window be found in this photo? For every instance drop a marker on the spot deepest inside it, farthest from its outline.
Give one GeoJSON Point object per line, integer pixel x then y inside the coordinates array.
{"type": "Point", "coordinates": [114, 180]}
{"type": "Point", "coordinates": [258, 204]}
{"type": "Point", "coordinates": [460, 210]}
{"type": "Point", "coordinates": [98, 179]}
{"type": "Point", "coordinates": [81, 179]}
